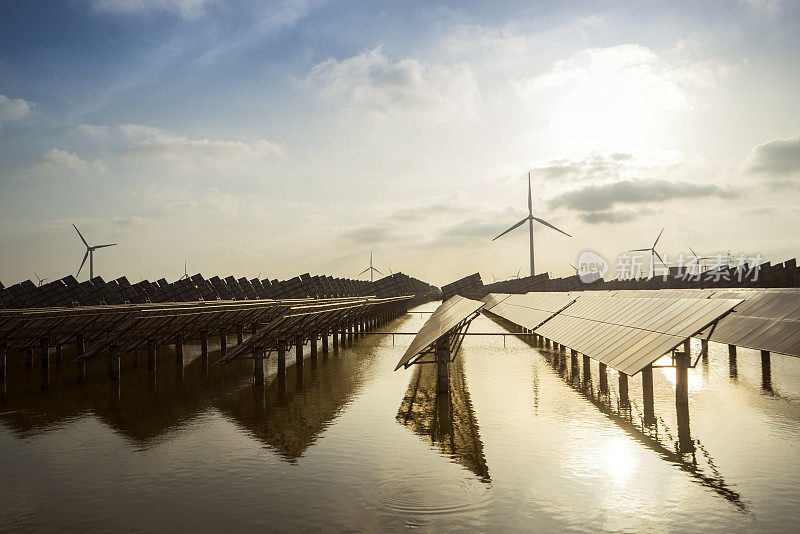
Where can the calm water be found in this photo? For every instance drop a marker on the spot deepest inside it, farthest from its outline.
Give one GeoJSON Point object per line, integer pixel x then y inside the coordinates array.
{"type": "Point", "coordinates": [346, 444]}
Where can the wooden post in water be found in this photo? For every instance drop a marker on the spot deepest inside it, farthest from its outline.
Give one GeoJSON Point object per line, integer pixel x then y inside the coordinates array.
{"type": "Point", "coordinates": [204, 346]}
{"type": "Point", "coordinates": [682, 359]}
{"type": "Point", "coordinates": [734, 372]}
{"type": "Point", "coordinates": [325, 342]}
{"type": "Point", "coordinates": [298, 351]}
{"type": "Point", "coordinates": [281, 358]}
{"type": "Point", "coordinates": [766, 371]}
{"type": "Point", "coordinates": [113, 362]}
{"type": "Point", "coordinates": [443, 365]}
{"type": "Point", "coordinates": [313, 342]}
{"type": "Point", "coordinates": [239, 334]}
{"type": "Point", "coordinates": [704, 349]}
{"type": "Point", "coordinates": [80, 348]}
{"type": "Point", "coordinates": [258, 365]}
{"type": "Point", "coordinates": [179, 349]}
{"type": "Point", "coordinates": [587, 369]}
{"type": "Point", "coordinates": [647, 395]}
{"type": "Point", "coordinates": [335, 336]}
{"type": "Point", "coordinates": [624, 398]}
{"type": "Point", "coordinates": [223, 343]}
{"type": "Point", "coordinates": [152, 352]}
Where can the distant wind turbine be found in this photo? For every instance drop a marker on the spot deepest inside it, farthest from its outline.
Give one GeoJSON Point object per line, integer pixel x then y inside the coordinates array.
{"type": "Point", "coordinates": [529, 219]}
{"type": "Point", "coordinates": [89, 253]}
{"type": "Point", "coordinates": [653, 254]}
{"type": "Point", "coordinates": [699, 259]}
{"type": "Point", "coordinates": [574, 268]}
{"type": "Point", "coordinates": [370, 269]}
{"type": "Point", "coordinates": [41, 280]}
{"type": "Point", "coordinates": [185, 274]}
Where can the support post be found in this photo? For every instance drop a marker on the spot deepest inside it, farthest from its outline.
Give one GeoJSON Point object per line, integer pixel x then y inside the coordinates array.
{"type": "Point", "coordinates": [587, 369]}
{"type": "Point", "coordinates": [443, 365]}
{"type": "Point", "coordinates": [113, 367]}
{"type": "Point", "coordinates": [44, 345]}
{"type": "Point", "coordinates": [59, 354]}
{"type": "Point", "coordinates": [239, 334]}
{"type": "Point", "coordinates": [647, 395]}
{"type": "Point", "coordinates": [281, 358]}
{"type": "Point", "coordinates": [3, 354]}
{"type": "Point", "coordinates": [734, 372]}
{"type": "Point", "coordinates": [152, 353]}
{"type": "Point", "coordinates": [204, 346]}
{"type": "Point", "coordinates": [258, 365]}
{"type": "Point", "coordinates": [298, 351]}
{"type": "Point", "coordinates": [682, 400]}
{"type": "Point", "coordinates": [704, 350]}
{"type": "Point", "coordinates": [313, 342]}
{"type": "Point", "coordinates": [766, 371]}
{"type": "Point", "coordinates": [223, 343]}
{"type": "Point", "coordinates": [325, 342]}
{"type": "Point", "coordinates": [80, 346]}
{"type": "Point", "coordinates": [29, 358]}
{"type": "Point", "coordinates": [179, 349]}
{"type": "Point", "coordinates": [624, 398]}
{"type": "Point", "coordinates": [335, 336]}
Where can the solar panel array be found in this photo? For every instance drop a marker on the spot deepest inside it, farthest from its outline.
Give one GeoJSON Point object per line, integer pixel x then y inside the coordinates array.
{"type": "Point", "coordinates": [69, 292]}
{"type": "Point", "coordinates": [626, 333]}
{"type": "Point", "coordinates": [453, 314]}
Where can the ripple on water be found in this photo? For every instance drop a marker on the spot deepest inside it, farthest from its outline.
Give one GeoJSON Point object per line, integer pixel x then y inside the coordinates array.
{"type": "Point", "coordinates": [427, 495]}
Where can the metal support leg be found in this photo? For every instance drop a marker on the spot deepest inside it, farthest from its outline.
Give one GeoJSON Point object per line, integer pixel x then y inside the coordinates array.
{"type": "Point", "coordinates": [624, 398]}
{"type": "Point", "coordinates": [325, 343]}
{"type": "Point", "coordinates": [281, 359]}
{"type": "Point", "coordinates": [152, 352]}
{"type": "Point", "coordinates": [80, 347]}
{"type": "Point", "coordinates": [766, 371]}
{"type": "Point", "coordinates": [313, 343]}
{"type": "Point", "coordinates": [647, 395]}
{"type": "Point", "coordinates": [443, 366]}
{"type": "Point", "coordinates": [298, 351]}
{"type": "Point", "coordinates": [682, 400]}
{"type": "Point", "coordinates": [113, 356]}
{"type": "Point", "coordinates": [179, 349]}
{"type": "Point", "coordinates": [734, 372]}
{"type": "Point", "coordinates": [258, 365]}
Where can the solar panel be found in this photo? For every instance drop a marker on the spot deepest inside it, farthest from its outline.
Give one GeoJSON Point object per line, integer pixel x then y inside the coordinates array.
{"type": "Point", "coordinates": [447, 317]}
{"type": "Point", "coordinates": [532, 309]}
{"type": "Point", "coordinates": [630, 333]}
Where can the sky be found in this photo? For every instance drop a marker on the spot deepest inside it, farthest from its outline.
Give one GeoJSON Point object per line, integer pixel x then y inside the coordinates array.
{"type": "Point", "coordinates": [270, 139]}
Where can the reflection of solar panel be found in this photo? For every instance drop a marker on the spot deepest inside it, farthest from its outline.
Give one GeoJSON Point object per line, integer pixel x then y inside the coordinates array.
{"type": "Point", "coordinates": [451, 317]}
{"type": "Point", "coordinates": [629, 334]}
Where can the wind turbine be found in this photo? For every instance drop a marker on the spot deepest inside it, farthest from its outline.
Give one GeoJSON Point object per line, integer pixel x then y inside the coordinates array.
{"type": "Point", "coordinates": [529, 219]}
{"type": "Point", "coordinates": [41, 280]}
{"type": "Point", "coordinates": [185, 274]}
{"type": "Point", "coordinates": [371, 269]}
{"type": "Point", "coordinates": [653, 255]}
{"type": "Point", "coordinates": [89, 253]}
{"type": "Point", "coordinates": [699, 259]}
{"type": "Point", "coordinates": [574, 268]}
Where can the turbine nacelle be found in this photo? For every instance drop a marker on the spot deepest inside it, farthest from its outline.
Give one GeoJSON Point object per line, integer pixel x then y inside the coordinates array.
{"type": "Point", "coordinates": [89, 253]}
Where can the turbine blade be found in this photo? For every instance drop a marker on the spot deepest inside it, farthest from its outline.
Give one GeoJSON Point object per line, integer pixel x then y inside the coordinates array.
{"type": "Point", "coordinates": [362, 272]}
{"type": "Point", "coordinates": [639, 250]}
{"type": "Point", "coordinates": [530, 196]}
{"type": "Point", "coordinates": [660, 259]}
{"type": "Point", "coordinates": [537, 219]}
{"type": "Point", "coordinates": [80, 235]}
{"type": "Point", "coordinates": [83, 262]}
{"type": "Point", "coordinates": [523, 221]}
{"type": "Point", "coordinates": [377, 271]}
{"type": "Point", "coordinates": [659, 237]}
{"type": "Point", "coordinates": [103, 246]}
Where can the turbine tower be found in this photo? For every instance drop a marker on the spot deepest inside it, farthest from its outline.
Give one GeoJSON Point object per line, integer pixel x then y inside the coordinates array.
{"type": "Point", "coordinates": [529, 219]}
{"type": "Point", "coordinates": [653, 255]}
{"type": "Point", "coordinates": [89, 253]}
{"type": "Point", "coordinates": [371, 269]}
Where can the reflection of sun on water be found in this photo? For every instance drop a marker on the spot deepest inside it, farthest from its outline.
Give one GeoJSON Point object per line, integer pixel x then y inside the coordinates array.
{"type": "Point", "coordinates": [618, 458]}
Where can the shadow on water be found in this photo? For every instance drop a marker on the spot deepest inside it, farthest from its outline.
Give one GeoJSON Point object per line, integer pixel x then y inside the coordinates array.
{"type": "Point", "coordinates": [447, 421]}
{"type": "Point", "coordinates": [655, 434]}
{"type": "Point", "coordinates": [290, 412]}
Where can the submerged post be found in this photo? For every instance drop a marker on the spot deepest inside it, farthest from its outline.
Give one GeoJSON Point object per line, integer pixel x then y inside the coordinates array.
{"type": "Point", "coordinates": [113, 362]}
{"type": "Point", "coordinates": [704, 349]}
{"type": "Point", "coordinates": [766, 371]}
{"type": "Point", "coordinates": [239, 334]}
{"type": "Point", "coordinates": [624, 398]}
{"type": "Point", "coordinates": [298, 351]}
{"type": "Point", "coordinates": [223, 343]}
{"type": "Point", "coordinates": [587, 369]}
{"type": "Point", "coordinates": [258, 365]}
{"type": "Point", "coordinates": [313, 343]}
{"type": "Point", "coordinates": [44, 345]}
{"type": "Point", "coordinates": [325, 342]}
{"type": "Point", "coordinates": [281, 358]}
{"type": "Point", "coordinates": [335, 336]}
{"type": "Point", "coordinates": [179, 349]}
{"type": "Point", "coordinates": [732, 361]}
{"type": "Point", "coordinates": [647, 395]}
{"type": "Point", "coordinates": [204, 345]}
{"type": "Point", "coordinates": [152, 351]}
{"type": "Point", "coordinates": [682, 399]}
{"type": "Point", "coordinates": [3, 352]}
{"type": "Point", "coordinates": [80, 347]}
{"type": "Point", "coordinates": [443, 365]}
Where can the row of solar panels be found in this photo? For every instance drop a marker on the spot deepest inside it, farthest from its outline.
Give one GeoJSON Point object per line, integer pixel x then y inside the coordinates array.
{"type": "Point", "coordinates": [786, 274]}
{"type": "Point", "coordinates": [69, 292]}
{"type": "Point", "coordinates": [629, 330]}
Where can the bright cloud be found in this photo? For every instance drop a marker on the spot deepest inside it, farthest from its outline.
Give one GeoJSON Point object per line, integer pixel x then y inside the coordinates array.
{"type": "Point", "coordinates": [57, 161]}
{"type": "Point", "coordinates": [12, 109]}
{"type": "Point", "coordinates": [778, 157]}
{"type": "Point", "coordinates": [371, 81]}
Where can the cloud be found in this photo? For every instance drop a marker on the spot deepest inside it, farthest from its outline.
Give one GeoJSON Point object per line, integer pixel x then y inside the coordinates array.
{"type": "Point", "coordinates": [598, 198]}
{"type": "Point", "coordinates": [370, 234]}
{"type": "Point", "coordinates": [776, 158]}
{"type": "Point", "coordinates": [187, 9]}
{"type": "Point", "coordinates": [156, 145]}
{"type": "Point", "coordinates": [770, 6]}
{"type": "Point", "coordinates": [619, 216]}
{"type": "Point", "coordinates": [92, 130]}
{"type": "Point", "coordinates": [371, 81]}
{"type": "Point", "coordinates": [13, 109]}
{"type": "Point", "coordinates": [57, 160]}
